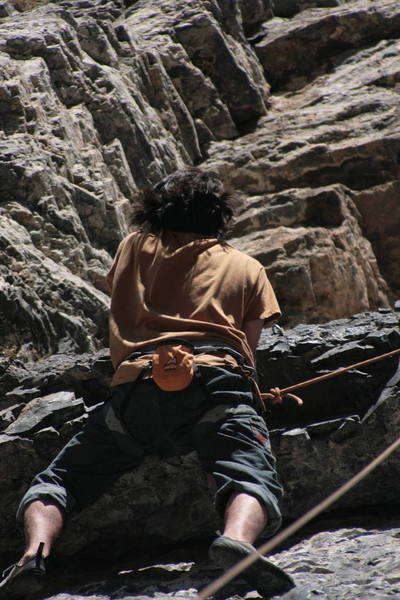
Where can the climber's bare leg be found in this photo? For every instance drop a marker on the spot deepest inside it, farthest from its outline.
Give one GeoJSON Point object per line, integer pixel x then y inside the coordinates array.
{"type": "Point", "coordinates": [43, 522]}
{"type": "Point", "coordinates": [245, 518]}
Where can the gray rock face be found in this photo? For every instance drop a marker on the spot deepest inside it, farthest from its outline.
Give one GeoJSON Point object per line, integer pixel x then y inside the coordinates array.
{"type": "Point", "coordinates": [98, 98]}
{"type": "Point", "coordinates": [317, 259]}
{"type": "Point", "coordinates": [286, 357]}
{"type": "Point", "coordinates": [328, 123]}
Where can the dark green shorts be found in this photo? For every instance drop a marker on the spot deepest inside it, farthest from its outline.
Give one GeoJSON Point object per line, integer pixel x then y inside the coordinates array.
{"type": "Point", "coordinates": [214, 416]}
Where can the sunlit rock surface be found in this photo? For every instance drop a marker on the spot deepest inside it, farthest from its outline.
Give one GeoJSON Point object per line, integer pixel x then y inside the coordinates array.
{"type": "Point", "coordinates": [98, 98]}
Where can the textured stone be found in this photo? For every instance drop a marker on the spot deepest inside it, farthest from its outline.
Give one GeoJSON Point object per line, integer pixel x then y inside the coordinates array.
{"type": "Point", "coordinates": [341, 562]}
{"type": "Point", "coordinates": [38, 412]}
{"type": "Point", "coordinates": [6, 8]}
{"type": "Point", "coordinates": [255, 12]}
{"type": "Point", "coordinates": [319, 263]}
{"type": "Point", "coordinates": [39, 299]}
{"type": "Point", "coordinates": [337, 125]}
{"type": "Point", "coordinates": [97, 99]}
{"type": "Point", "coordinates": [296, 51]}
{"type": "Point", "coordinates": [344, 423]}
{"type": "Point", "coordinates": [287, 357]}
{"type": "Point", "coordinates": [379, 208]}
{"type": "Point", "coordinates": [89, 375]}
{"type": "Point", "coordinates": [8, 415]}
{"type": "Point", "coordinates": [197, 55]}
{"type": "Point", "coordinates": [90, 108]}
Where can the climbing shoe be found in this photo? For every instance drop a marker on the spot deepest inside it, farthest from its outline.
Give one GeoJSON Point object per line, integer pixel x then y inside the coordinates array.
{"type": "Point", "coordinates": [19, 580]}
{"type": "Point", "coordinates": [264, 576]}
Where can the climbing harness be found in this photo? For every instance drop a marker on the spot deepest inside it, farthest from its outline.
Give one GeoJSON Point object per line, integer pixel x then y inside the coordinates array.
{"type": "Point", "coordinates": [172, 362]}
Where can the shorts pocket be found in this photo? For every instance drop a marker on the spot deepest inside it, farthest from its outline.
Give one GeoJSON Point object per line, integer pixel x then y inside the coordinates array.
{"type": "Point", "coordinates": [259, 430]}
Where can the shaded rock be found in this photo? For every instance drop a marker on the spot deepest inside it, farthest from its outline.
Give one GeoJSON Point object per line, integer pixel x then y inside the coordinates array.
{"type": "Point", "coordinates": [289, 8]}
{"type": "Point", "coordinates": [19, 461]}
{"type": "Point", "coordinates": [292, 356]}
{"type": "Point", "coordinates": [68, 430]}
{"type": "Point", "coordinates": [11, 371]}
{"type": "Point", "coordinates": [144, 506]}
{"type": "Point", "coordinates": [20, 392]}
{"type": "Point", "coordinates": [343, 424]}
{"type": "Point", "coordinates": [300, 459]}
{"type": "Point", "coordinates": [253, 13]}
{"type": "Point", "coordinates": [302, 47]}
{"type": "Point", "coordinates": [14, 470]}
{"type": "Point", "coordinates": [89, 375]}
{"type": "Point", "coordinates": [347, 428]}
{"type": "Point", "coordinates": [8, 415]}
{"type": "Point", "coordinates": [6, 8]}
{"type": "Point", "coordinates": [46, 442]}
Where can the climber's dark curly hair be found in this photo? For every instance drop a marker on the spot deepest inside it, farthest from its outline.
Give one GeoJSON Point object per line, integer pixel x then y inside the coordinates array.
{"type": "Point", "coordinates": [188, 200]}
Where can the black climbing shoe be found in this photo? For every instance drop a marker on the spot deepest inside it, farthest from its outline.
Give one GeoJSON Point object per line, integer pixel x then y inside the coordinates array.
{"type": "Point", "coordinates": [20, 580]}
{"type": "Point", "coordinates": [264, 576]}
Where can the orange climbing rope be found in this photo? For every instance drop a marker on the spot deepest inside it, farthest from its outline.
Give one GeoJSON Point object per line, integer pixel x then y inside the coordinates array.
{"type": "Point", "coordinates": [277, 395]}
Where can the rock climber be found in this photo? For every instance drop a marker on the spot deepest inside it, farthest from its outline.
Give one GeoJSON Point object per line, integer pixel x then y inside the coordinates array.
{"type": "Point", "coordinates": [187, 310]}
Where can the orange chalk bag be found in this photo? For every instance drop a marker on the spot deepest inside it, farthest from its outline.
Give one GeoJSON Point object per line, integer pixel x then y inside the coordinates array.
{"type": "Point", "coordinates": [173, 366]}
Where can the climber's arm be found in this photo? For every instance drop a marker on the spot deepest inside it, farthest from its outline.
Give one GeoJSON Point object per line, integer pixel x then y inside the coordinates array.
{"type": "Point", "coordinates": [253, 329]}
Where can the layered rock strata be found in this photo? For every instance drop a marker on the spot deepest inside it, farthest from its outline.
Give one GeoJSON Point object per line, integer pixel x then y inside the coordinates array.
{"type": "Point", "coordinates": [98, 98]}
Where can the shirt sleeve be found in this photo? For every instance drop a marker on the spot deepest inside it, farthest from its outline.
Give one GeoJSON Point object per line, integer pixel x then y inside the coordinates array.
{"type": "Point", "coordinates": [262, 302]}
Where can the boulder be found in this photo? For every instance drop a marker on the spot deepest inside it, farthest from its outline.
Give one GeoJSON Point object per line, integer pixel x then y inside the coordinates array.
{"type": "Point", "coordinates": [343, 424]}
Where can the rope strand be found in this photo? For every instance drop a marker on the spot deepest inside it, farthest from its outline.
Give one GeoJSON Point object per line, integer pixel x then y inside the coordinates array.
{"type": "Point", "coordinates": [277, 395]}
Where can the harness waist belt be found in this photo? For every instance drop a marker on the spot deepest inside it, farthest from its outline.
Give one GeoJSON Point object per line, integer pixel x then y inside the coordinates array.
{"type": "Point", "coordinates": [209, 347]}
